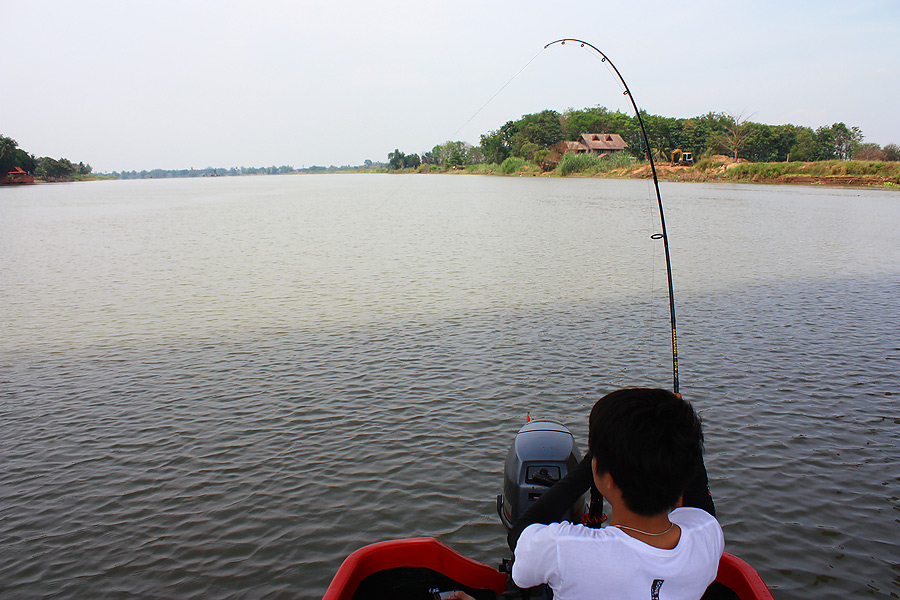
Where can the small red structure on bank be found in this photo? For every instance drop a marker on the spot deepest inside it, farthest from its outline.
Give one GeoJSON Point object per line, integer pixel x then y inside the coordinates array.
{"type": "Point", "coordinates": [17, 175]}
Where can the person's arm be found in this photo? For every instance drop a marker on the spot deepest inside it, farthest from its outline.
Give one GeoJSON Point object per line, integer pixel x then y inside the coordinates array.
{"type": "Point", "coordinates": [697, 493]}
{"type": "Point", "coordinates": [554, 502]}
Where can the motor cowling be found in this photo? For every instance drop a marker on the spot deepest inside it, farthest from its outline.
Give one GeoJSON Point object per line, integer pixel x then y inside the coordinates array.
{"type": "Point", "coordinates": [541, 454]}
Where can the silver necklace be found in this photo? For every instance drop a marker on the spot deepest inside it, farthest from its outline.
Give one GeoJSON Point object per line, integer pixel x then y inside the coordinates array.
{"type": "Point", "coordinates": [671, 525]}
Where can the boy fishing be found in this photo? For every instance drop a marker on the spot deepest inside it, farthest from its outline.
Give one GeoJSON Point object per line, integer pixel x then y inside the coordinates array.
{"type": "Point", "coordinates": [662, 541]}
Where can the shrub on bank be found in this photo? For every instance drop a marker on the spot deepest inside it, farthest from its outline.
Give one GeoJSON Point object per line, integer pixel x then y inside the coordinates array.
{"type": "Point", "coordinates": [823, 168]}
{"type": "Point", "coordinates": [578, 163]}
{"type": "Point", "coordinates": [591, 163]}
{"type": "Point", "coordinates": [511, 165]}
{"type": "Point", "coordinates": [618, 160]}
{"type": "Point", "coordinates": [482, 169]}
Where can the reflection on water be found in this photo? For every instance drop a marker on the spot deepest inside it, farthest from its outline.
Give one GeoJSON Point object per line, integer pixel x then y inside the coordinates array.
{"type": "Point", "coordinates": [219, 388]}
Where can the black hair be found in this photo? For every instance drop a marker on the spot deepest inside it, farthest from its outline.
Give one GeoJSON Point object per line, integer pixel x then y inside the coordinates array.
{"type": "Point", "coordinates": [650, 442]}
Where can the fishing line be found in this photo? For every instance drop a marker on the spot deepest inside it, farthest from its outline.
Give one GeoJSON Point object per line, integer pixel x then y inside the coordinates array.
{"type": "Point", "coordinates": [662, 219]}
{"type": "Point", "coordinates": [402, 184]}
{"type": "Point", "coordinates": [491, 99]}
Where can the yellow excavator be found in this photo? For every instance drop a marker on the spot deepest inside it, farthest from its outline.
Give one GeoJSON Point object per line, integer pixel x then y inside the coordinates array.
{"type": "Point", "coordinates": [684, 159]}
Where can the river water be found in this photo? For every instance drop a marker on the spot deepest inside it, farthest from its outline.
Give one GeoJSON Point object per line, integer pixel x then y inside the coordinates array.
{"type": "Point", "coordinates": [218, 388]}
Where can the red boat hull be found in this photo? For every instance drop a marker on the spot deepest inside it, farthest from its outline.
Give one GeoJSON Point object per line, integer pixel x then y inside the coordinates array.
{"type": "Point", "coordinates": [429, 553]}
{"type": "Point", "coordinates": [416, 552]}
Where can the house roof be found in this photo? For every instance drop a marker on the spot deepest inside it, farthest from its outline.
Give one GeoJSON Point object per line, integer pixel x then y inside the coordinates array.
{"type": "Point", "coordinates": [603, 141]}
{"type": "Point", "coordinates": [570, 146]}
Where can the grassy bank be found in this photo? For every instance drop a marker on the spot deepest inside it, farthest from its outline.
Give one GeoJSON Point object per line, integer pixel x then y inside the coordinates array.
{"type": "Point", "coordinates": [837, 172]}
{"type": "Point", "coordinates": [723, 168]}
{"type": "Point", "coordinates": [713, 168]}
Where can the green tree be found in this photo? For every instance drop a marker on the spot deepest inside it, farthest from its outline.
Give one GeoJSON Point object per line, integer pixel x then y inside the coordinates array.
{"type": "Point", "coordinates": [542, 128]}
{"type": "Point", "coordinates": [805, 146]}
{"type": "Point", "coordinates": [542, 158]}
{"type": "Point", "coordinates": [838, 141]}
{"type": "Point", "coordinates": [528, 150]}
{"type": "Point", "coordinates": [411, 161]}
{"type": "Point", "coordinates": [454, 154]}
{"type": "Point", "coordinates": [824, 144]}
{"type": "Point", "coordinates": [769, 143]}
{"type": "Point", "coordinates": [846, 140]}
{"type": "Point", "coordinates": [495, 146]}
{"type": "Point", "coordinates": [8, 147]}
{"type": "Point", "coordinates": [697, 133]}
{"type": "Point", "coordinates": [663, 132]}
{"type": "Point", "coordinates": [596, 120]}
{"type": "Point", "coordinates": [50, 169]}
{"type": "Point", "coordinates": [395, 159]}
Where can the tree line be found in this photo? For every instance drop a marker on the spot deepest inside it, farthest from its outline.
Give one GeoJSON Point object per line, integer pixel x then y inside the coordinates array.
{"type": "Point", "coordinates": [62, 169]}
{"type": "Point", "coordinates": [46, 168]}
{"type": "Point", "coordinates": [448, 155]}
{"type": "Point", "coordinates": [207, 172]}
{"type": "Point", "coordinates": [534, 137]}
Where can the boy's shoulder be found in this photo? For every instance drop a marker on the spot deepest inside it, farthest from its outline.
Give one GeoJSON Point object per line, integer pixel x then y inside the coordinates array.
{"type": "Point", "coordinates": [701, 527]}
{"type": "Point", "coordinates": [687, 516]}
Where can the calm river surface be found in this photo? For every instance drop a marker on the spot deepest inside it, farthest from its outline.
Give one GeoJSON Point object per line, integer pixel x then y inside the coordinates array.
{"type": "Point", "coordinates": [218, 388]}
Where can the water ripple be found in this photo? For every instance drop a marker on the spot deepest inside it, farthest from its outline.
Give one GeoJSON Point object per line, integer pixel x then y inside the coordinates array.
{"type": "Point", "coordinates": [170, 437]}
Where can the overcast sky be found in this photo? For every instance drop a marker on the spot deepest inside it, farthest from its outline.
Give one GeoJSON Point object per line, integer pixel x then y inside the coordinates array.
{"type": "Point", "coordinates": [193, 83]}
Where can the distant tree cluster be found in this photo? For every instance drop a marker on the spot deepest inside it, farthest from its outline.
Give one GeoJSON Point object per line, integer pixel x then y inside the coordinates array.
{"type": "Point", "coordinates": [528, 136]}
{"type": "Point", "coordinates": [713, 133]}
{"type": "Point", "coordinates": [50, 169]}
{"type": "Point", "coordinates": [46, 168]}
{"type": "Point", "coordinates": [447, 156]}
{"type": "Point", "coordinates": [399, 160]}
{"type": "Point", "coordinates": [207, 172]}
{"type": "Point", "coordinates": [875, 152]}
{"type": "Point", "coordinates": [368, 166]}
{"type": "Point", "coordinates": [534, 136]}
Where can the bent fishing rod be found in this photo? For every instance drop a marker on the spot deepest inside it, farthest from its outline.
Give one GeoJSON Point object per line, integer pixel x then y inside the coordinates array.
{"type": "Point", "coordinates": [662, 219]}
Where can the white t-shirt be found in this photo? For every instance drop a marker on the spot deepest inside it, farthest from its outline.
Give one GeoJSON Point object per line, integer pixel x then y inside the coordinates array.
{"type": "Point", "coordinates": [579, 562]}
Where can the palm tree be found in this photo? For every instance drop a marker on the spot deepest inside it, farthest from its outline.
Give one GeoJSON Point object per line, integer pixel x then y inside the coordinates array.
{"type": "Point", "coordinates": [7, 146]}
{"type": "Point", "coordinates": [7, 154]}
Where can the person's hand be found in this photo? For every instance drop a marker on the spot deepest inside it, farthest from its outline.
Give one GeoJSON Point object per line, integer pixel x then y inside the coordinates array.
{"type": "Point", "coordinates": [461, 595]}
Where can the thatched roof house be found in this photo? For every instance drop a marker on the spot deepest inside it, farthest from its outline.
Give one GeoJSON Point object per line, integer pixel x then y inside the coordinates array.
{"type": "Point", "coordinates": [602, 143]}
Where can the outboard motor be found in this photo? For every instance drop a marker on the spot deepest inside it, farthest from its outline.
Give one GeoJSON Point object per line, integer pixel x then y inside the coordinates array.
{"type": "Point", "coordinates": [542, 454]}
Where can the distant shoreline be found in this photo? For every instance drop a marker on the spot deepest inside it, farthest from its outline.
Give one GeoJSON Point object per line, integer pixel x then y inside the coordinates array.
{"type": "Point", "coordinates": [721, 169]}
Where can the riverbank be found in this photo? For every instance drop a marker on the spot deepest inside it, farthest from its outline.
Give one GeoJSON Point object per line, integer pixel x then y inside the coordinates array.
{"type": "Point", "coordinates": [714, 168]}
{"type": "Point", "coordinates": [832, 172]}
{"type": "Point", "coordinates": [38, 180]}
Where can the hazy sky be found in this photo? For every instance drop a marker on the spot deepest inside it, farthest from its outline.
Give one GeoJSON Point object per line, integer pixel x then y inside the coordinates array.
{"type": "Point", "coordinates": [176, 84]}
